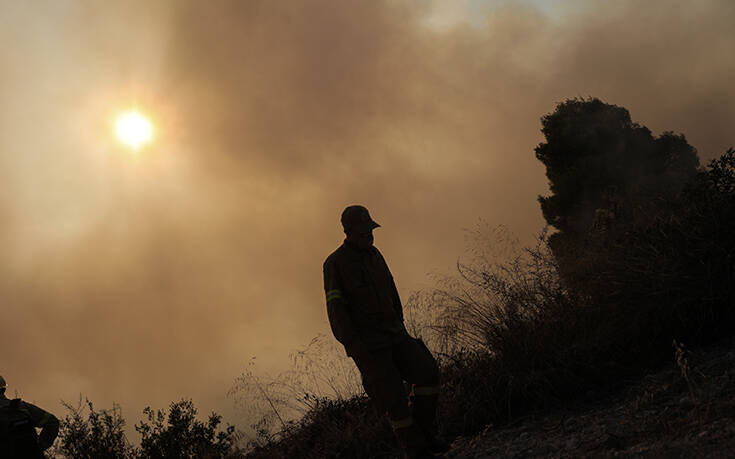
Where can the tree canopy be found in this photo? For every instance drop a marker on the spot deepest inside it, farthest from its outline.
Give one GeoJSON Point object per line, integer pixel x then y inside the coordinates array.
{"type": "Point", "coordinates": [596, 156]}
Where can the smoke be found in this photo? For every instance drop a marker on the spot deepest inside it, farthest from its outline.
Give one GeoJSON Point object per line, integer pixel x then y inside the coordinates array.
{"type": "Point", "coordinates": [145, 279]}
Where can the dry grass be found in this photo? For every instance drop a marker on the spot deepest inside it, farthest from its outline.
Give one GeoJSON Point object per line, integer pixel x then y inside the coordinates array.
{"type": "Point", "coordinates": [543, 326]}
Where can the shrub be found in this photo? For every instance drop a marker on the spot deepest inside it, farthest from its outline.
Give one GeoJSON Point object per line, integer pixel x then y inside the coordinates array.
{"type": "Point", "coordinates": [522, 340]}
{"type": "Point", "coordinates": [179, 434]}
{"type": "Point", "coordinates": [588, 306]}
{"type": "Point", "coordinates": [98, 434]}
{"type": "Point", "coordinates": [333, 429]}
{"type": "Point", "coordinates": [320, 371]}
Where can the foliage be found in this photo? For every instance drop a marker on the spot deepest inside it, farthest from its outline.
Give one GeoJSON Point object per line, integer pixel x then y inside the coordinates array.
{"type": "Point", "coordinates": [535, 334]}
{"type": "Point", "coordinates": [486, 293]}
{"type": "Point", "coordinates": [318, 372]}
{"type": "Point", "coordinates": [479, 385]}
{"type": "Point", "coordinates": [718, 181]}
{"type": "Point", "coordinates": [523, 340]}
{"type": "Point", "coordinates": [332, 429]}
{"type": "Point", "coordinates": [179, 434]}
{"type": "Point", "coordinates": [668, 266]}
{"type": "Point", "coordinates": [516, 329]}
{"type": "Point", "coordinates": [595, 155]}
{"type": "Point", "coordinates": [98, 434]}
{"type": "Point", "coordinates": [642, 231]}
{"type": "Point", "coordinates": [586, 308]}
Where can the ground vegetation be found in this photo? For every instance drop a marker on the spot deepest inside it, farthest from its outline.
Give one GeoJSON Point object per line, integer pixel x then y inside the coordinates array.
{"type": "Point", "coordinates": [639, 254]}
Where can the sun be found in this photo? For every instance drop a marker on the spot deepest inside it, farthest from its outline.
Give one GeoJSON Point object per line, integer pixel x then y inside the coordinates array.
{"type": "Point", "coordinates": [133, 129]}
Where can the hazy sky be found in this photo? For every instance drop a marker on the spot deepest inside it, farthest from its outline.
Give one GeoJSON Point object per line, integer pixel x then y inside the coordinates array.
{"type": "Point", "coordinates": [144, 278]}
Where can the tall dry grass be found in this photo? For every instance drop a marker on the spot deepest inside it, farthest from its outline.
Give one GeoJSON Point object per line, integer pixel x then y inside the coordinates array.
{"type": "Point", "coordinates": [521, 329]}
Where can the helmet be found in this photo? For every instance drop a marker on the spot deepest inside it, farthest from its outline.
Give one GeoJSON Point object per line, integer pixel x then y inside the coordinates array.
{"type": "Point", "coordinates": [357, 218]}
{"type": "Point", "coordinates": [3, 384]}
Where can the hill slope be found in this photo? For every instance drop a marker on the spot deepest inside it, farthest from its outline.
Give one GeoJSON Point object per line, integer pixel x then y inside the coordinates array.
{"type": "Point", "coordinates": [686, 409]}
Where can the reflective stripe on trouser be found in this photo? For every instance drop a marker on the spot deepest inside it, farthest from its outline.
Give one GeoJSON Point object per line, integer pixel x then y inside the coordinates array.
{"type": "Point", "coordinates": [383, 372]}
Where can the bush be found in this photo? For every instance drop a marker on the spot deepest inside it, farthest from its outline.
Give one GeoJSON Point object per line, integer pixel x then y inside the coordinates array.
{"type": "Point", "coordinates": [98, 434]}
{"type": "Point", "coordinates": [179, 434]}
{"type": "Point", "coordinates": [672, 267]}
{"type": "Point", "coordinates": [644, 256]}
{"type": "Point", "coordinates": [534, 337]}
{"type": "Point", "coordinates": [333, 429]}
{"type": "Point", "coordinates": [644, 234]}
{"type": "Point", "coordinates": [523, 341]}
{"type": "Point", "coordinates": [320, 371]}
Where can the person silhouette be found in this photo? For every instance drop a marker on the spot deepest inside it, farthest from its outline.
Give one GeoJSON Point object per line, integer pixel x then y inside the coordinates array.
{"type": "Point", "coordinates": [18, 423]}
{"type": "Point", "coordinates": [366, 317]}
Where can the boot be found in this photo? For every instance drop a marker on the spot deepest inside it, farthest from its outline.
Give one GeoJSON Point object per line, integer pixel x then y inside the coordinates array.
{"type": "Point", "coordinates": [423, 402]}
{"type": "Point", "coordinates": [437, 445]}
{"type": "Point", "coordinates": [411, 438]}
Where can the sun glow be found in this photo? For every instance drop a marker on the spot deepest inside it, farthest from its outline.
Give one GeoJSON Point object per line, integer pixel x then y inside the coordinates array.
{"type": "Point", "coordinates": [133, 129]}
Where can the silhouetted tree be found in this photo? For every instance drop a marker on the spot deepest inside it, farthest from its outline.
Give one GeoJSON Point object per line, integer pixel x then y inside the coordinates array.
{"type": "Point", "coordinates": [720, 176]}
{"type": "Point", "coordinates": [596, 157]}
{"type": "Point", "coordinates": [524, 337]}
{"type": "Point", "coordinates": [642, 230]}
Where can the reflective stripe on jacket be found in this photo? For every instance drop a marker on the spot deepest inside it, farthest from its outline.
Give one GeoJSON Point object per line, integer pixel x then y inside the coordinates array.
{"type": "Point", "coordinates": [363, 305]}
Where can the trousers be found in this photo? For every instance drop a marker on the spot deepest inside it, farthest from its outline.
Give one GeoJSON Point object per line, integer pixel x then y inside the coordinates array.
{"type": "Point", "coordinates": [384, 371]}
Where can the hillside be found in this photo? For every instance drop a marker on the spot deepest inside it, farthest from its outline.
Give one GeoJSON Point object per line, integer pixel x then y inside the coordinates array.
{"type": "Point", "coordinates": [563, 348]}
{"type": "Point", "coordinates": [639, 256]}
{"type": "Point", "coordinates": [662, 415]}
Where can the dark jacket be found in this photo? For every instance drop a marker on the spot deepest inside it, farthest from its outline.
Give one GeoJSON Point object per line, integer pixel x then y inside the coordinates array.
{"type": "Point", "coordinates": [38, 418]}
{"type": "Point", "coordinates": [363, 305]}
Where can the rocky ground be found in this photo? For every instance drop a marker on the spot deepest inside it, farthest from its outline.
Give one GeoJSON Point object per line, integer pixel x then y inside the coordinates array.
{"type": "Point", "coordinates": [686, 409]}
